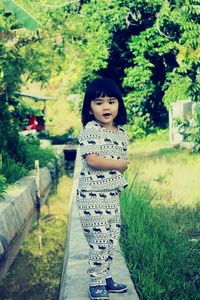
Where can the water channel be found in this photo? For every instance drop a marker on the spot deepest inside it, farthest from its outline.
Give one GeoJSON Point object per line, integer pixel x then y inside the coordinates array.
{"type": "Point", "coordinates": [36, 271]}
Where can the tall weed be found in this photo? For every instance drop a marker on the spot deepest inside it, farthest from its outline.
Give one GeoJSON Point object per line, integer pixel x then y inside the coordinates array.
{"type": "Point", "coordinates": [158, 254]}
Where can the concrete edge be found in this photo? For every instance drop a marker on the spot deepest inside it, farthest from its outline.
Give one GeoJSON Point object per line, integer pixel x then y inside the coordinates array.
{"type": "Point", "coordinates": [68, 229]}
{"type": "Point", "coordinates": [74, 281]}
{"type": "Point", "coordinates": [16, 213]}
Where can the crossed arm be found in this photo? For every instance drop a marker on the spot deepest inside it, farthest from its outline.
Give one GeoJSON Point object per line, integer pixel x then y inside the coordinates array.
{"type": "Point", "coordinates": [102, 163]}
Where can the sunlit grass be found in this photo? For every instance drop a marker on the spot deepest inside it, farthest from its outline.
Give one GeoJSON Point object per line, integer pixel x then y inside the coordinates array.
{"type": "Point", "coordinates": [173, 173]}
{"type": "Point", "coordinates": [151, 143]}
{"type": "Point", "coordinates": [160, 232]}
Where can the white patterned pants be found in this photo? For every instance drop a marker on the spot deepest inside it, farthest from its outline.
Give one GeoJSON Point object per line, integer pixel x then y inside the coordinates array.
{"type": "Point", "coordinates": [100, 219]}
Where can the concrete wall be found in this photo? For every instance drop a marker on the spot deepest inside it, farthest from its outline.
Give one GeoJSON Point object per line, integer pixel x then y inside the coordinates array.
{"type": "Point", "coordinates": [17, 210]}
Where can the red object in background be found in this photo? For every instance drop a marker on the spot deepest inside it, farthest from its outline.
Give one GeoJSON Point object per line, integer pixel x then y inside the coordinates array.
{"type": "Point", "coordinates": [35, 123]}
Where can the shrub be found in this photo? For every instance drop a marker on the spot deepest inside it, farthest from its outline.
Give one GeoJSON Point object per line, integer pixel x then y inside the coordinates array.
{"type": "Point", "coordinates": [34, 152]}
{"type": "Point", "coordinates": [139, 128]}
{"type": "Point", "coordinates": [16, 167]}
{"type": "Point", "coordinates": [3, 186]}
{"type": "Point", "coordinates": [189, 128]}
{"type": "Point", "coordinates": [195, 129]}
{"type": "Point", "coordinates": [12, 170]}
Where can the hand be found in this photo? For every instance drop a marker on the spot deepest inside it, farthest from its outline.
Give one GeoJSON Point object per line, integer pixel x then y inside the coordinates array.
{"type": "Point", "coordinates": [123, 165]}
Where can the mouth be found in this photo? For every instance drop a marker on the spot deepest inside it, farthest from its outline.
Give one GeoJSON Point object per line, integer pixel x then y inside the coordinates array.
{"type": "Point", "coordinates": [107, 115]}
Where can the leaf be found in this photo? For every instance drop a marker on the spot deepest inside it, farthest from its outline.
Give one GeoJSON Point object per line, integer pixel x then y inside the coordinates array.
{"type": "Point", "coordinates": [22, 15]}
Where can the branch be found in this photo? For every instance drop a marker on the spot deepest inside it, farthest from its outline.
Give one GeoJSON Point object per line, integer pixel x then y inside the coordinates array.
{"type": "Point", "coordinates": [134, 16]}
{"type": "Point", "coordinates": [36, 98]}
{"type": "Point", "coordinates": [162, 33]}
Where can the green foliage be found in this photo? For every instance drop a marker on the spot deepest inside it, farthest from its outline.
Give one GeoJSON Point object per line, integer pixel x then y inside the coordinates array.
{"type": "Point", "coordinates": [185, 15]}
{"type": "Point", "coordinates": [183, 125]}
{"type": "Point", "coordinates": [195, 129]}
{"type": "Point", "coordinates": [32, 138]}
{"type": "Point", "coordinates": [176, 88]}
{"type": "Point", "coordinates": [22, 15]}
{"type": "Point", "coordinates": [3, 186]}
{"type": "Point", "coordinates": [139, 128]}
{"type": "Point", "coordinates": [159, 256]}
{"type": "Point", "coordinates": [34, 152]}
{"type": "Point", "coordinates": [165, 60]}
{"type": "Point", "coordinates": [150, 48]}
{"type": "Point", "coordinates": [22, 113]}
{"type": "Point", "coordinates": [9, 137]}
{"type": "Point", "coordinates": [21, 52]}
{"type": "Point", "coordinates": [12, 170]}
{"type": "Point", "coordinates": [189, 128]}
{"type": "Point", "coordinates": [22, 159]}
{"type": "Point", "coordinates": [138, 78]}
{"type": "Point", "coordinates": [68, 138]}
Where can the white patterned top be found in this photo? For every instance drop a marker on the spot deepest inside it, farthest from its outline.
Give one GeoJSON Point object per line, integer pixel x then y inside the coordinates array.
{"type": "Point", "coordinates": [95, 138]}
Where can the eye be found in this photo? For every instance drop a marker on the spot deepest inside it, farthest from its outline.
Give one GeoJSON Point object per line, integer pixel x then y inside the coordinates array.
{"type": "Point", "coordinates": [98, 103]}
{"type": "Point", "coordinates": [112, 102]}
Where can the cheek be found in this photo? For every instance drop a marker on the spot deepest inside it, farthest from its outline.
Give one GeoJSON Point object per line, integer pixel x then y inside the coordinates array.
{"type": "Point", "coordinates": [117, 107]}
{"type": "Point", "coordinates": [94, 110]}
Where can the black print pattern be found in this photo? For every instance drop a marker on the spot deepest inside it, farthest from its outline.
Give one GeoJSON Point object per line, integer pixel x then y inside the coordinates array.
{"type": "Point", "coordinates": [100, 219]}
{"type": "Point", "coordinates": [96, 139]}
{"type": "Point", "coordinates": [98, 197]}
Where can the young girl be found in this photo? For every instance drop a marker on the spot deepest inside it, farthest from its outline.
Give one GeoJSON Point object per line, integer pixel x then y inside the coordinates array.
{"type": "Point", "coordinates": [103, 146]}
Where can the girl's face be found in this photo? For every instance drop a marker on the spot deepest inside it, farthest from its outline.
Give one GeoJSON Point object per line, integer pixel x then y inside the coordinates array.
{"type": "Point", "coordinates": [105, 110]}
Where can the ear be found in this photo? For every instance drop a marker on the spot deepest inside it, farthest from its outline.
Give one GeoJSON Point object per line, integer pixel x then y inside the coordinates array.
{"type": "Point", "coordinates": [90, 112]}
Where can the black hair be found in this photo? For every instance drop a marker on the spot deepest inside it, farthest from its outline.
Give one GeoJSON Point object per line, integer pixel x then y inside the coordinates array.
{"type": "Point", "coordinates": [102, 87]}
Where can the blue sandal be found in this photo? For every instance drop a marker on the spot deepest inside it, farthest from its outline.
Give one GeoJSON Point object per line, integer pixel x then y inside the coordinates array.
{"type": "Point", "coordinates": [113, 287]}
{"type": "Point", "coordinates": [98, 292]}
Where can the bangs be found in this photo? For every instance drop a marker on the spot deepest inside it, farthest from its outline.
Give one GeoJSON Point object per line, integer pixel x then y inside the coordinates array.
{"type": "Point", "coordinates": [103, 87]}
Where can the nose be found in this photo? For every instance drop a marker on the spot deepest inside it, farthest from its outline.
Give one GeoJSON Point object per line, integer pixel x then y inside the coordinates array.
{"type": "Point", "coordinates": [106, 105]}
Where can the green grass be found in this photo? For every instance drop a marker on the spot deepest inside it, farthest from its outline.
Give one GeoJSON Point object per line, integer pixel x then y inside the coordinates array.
{"type": "Point", "coordinates": [173, 173]}
{"type": "Point", "coordinates": [13, 170]}
{"type": "Point", "coordinates": [161, 256]}
{"type": "Point", "coordinates": [160, 214]}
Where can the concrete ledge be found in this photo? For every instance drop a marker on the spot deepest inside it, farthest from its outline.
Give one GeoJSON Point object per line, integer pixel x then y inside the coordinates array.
{"type": "Point", "coordinates": [17, 210]}
{"type": "Point", "coordinates": [74, 281]}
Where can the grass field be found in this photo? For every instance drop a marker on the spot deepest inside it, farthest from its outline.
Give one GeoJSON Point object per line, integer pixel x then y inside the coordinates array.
{"type": "Point", "coordinates": [160, 213]}
{"type": "Point", "coordinates": [173, 173]}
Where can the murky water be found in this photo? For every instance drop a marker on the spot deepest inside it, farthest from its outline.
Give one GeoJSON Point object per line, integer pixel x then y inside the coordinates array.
{"type": "Point", "coordinates": [36, 271]}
